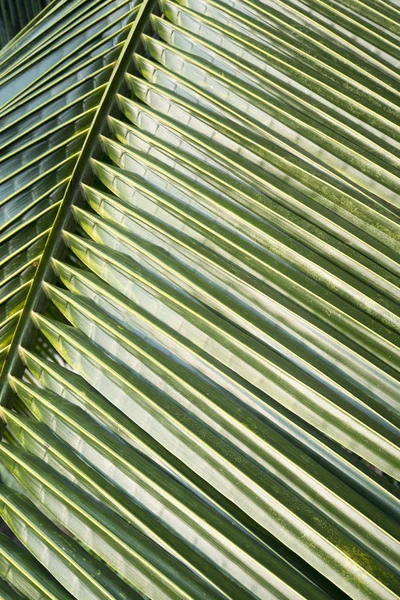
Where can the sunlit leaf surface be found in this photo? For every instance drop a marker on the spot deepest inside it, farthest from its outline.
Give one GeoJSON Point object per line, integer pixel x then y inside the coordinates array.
{"type": "Point", "coordinates": [215, 410]}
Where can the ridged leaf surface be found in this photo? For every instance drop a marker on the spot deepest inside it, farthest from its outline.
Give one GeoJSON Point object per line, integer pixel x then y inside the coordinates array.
{"type": "Point", "coordinates": [220, 287]}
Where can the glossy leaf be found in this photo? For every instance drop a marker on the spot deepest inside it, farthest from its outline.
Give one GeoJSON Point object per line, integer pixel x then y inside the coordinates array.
{"type": "Point", "coordinates": [200, 391]}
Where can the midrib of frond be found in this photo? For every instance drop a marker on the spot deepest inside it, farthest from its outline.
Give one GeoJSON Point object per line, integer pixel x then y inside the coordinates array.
{"type": "Point", "coordinates": [42, 132]}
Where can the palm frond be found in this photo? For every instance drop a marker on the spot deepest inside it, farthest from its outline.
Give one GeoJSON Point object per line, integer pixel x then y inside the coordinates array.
{"type": "Point", "coordinates": [223, 277]}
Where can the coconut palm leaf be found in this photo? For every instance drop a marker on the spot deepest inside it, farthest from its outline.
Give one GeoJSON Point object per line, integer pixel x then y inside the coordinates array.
{"type": "Point", "coordinates": [17, 15]}
{"type": "Point", "coordinates": [210, 249]}
{"type": "Point", "coordinates": [52, 81]}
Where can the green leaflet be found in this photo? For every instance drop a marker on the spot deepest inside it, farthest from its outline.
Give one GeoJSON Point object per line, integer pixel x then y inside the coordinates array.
{"type": "Point", "coordinates": [199, 298]}
{"type": "Point", "coordinates": [75, 569]}
{"type": "Point", "coordinates": [15, 16]}
{"type": "Point", "coordinates": [7, 593]}
{"type": "Point", "coordinates": [51, 85]}
{"type": "Point", "coordinates": [25, 574]}
{"type": "Point", "coordinates": [177, 515]}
